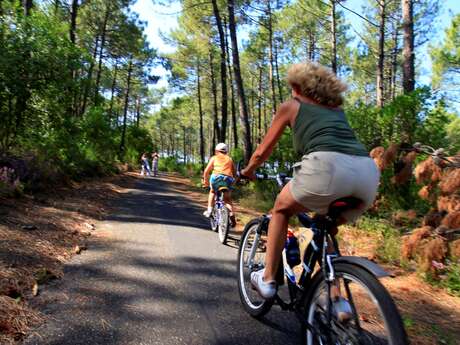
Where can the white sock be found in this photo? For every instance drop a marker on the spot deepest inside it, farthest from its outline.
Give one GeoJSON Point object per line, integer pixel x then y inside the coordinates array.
{"type": "Point", "coordinates": [209, 209]}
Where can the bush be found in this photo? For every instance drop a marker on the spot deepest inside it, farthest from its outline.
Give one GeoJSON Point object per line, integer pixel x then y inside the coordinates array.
{"type": "Point", "coordinates": [9, 182]}
{"type": "Point", "coordinates": [452, 279]}
{"type": "Point", "coordinates": [389, 249]}
{"type": "Point", "coordinates": [169, 164]}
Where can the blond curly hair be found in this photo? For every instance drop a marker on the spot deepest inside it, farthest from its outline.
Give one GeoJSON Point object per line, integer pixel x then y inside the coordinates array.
{"type": "Point", "coordinates": [317, 82]}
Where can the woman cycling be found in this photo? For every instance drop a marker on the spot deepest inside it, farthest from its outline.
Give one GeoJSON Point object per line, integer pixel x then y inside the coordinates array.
{"type": "Point", "coordinates": [334, 163]}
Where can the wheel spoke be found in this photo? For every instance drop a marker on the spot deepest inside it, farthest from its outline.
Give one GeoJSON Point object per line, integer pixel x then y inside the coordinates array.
{"type": "Point", "coordinates": [367, 326]}
{"type": "Point", "coordinates": [251, 259]}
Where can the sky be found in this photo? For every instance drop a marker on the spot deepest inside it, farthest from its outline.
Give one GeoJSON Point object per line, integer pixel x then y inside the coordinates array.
{"type": "Point", "coordinates": [164, 18]}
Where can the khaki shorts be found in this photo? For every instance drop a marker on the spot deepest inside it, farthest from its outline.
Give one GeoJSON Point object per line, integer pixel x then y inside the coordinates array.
{"type": "Point", "coordinates": [323, 177]}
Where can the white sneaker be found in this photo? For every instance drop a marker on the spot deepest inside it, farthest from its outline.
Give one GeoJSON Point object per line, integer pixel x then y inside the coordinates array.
{"type": "Point", "coordinates": [266, 289]}
{"type": "Point", "coordinates": [207, 213]}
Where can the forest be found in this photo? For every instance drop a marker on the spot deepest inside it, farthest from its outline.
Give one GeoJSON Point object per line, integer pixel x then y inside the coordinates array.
{"type": "Point", "coordinates": [76, 77]}
{"type": "Point", "coordinates": [78, 95]}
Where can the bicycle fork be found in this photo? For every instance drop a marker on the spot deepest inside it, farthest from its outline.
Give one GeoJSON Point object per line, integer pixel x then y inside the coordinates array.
{"type": "Point", "coordinates": [255, 243]}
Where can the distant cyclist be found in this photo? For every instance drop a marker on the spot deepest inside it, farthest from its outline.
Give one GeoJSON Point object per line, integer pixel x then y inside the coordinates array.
{"type": "Point", "coordinates": [223, 176]}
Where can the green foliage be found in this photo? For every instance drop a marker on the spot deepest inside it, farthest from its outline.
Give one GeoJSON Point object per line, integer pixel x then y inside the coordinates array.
{"type": "Point", "coordinates": [237, 154]}
{"type": "Point", "coordinates": [140, 141]}
{"type": "Point", "coordinates": [259, 196]}
{"type": "Point", "coordinates": [452, 280]}
{"type": "Point", "coordinates": [35, 61]}
{"type": "Point", "coordinates": [53, 92]}
{"type": "Point", "coordinates": [389, 248]}
{"type": "Point", "coordinates": [453, 134]}
{"type": "Point", "coordinates": [409, 118]}
{"type": "Point", "coordinates": [446, 56]}
{"type": "Point", "coordinates": [173, 164]}
{"type": "Point", "coordinates": [169, 164]}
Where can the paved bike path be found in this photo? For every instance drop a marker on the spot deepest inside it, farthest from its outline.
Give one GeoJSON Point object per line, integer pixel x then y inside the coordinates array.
{"type": "Point", "coordinates": [161, 277]}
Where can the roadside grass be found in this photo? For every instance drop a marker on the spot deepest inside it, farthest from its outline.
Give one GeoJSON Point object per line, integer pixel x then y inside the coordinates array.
{"type": "Point", "coordinates": [389, 237]}
{"type": "Point", "coordinates": [443, 337]}
{"type": "Point", "coordinates": [450, 279]}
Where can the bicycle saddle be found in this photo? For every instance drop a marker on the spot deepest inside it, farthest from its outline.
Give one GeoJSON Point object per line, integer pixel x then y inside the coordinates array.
{"type": "Point", "coordinates": [341, 205]}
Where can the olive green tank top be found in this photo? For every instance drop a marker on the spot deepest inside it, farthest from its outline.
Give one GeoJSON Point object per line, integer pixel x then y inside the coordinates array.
{"type": "Point", "coordinates": [317, 128]}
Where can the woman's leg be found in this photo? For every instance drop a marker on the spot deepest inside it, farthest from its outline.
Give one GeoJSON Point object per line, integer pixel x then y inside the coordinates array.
{"type": "Point", "coordinates": [229, 205]}
{"type": "Point", "coordinates": [285, 207]}
{"type": "Point", "coordinates": [210, 199]}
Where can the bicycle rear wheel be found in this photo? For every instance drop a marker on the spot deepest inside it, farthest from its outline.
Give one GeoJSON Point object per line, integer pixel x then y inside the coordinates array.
{"type": "Point", "coordinates": [375, 320]}
{"type": "Point", "coordinates": [224, 223]}
{"type": "Point", "coordinates": [251, 257]}
{"type": "Point", "coordinates": [214, 220]}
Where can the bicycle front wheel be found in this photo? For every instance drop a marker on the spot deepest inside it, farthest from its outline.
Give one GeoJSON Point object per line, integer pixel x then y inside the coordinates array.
{"type": "Point", "coordinates": [374, 318]}
{"type": "Point", "coordinates": [251, 257]}
{"type": "Point", "coordinates": [224, 223]}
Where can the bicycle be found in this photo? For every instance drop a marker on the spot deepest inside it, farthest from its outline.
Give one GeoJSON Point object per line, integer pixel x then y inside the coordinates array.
{"type": "Point", "coordinates": [220, 216]}
{"type": "Point", "coordinates": [310, 293]}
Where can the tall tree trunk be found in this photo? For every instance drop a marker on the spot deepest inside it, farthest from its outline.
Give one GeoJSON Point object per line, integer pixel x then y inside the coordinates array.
{"type": "Point", "coordinates": [265, 116]}
{"type": "Point", "coordinates": [57, 4]}
{"type": "Point", "coordinates": [232, 90]}
{"type": "Point", "coordinates": [211, 142]}
{"type": "Point", "coordinates": [311, 45]}
{"type": "Point", "coordinates": [270, 56]}
{"type": "Point", "coordinates": [101, 52]}
{"type": "Point", "coordinates": [381, 55]}
{"type": "Point", "coordinates": [73, 20]}
{"type": "Point", "coordinates": [408, 49]}
{"type": "Point", "coordinates": [125, 109]}
{"type": "Point", "coordinates": [27, 5]}
{"type": "Point", "coordinates": [259, 106]}
{"type": "Point", "coordinates": [89, 78]}
{"type": "Point", "coordinates": [394, 63]}
{"type": "Point", "coordinates": [184, 144]}
{"type": "Point", "coordinates": [244, 117]}
{"type": "Point", "coordinates": [23, 95]}
{"type": "Point", "coordinates": [223, 72]}
{"type": "Point", "coordinates": [200, 111]}
{"type": "Point", "coordinates": [138, 110]}
{"type": "Point", "coordinates": [278, 80]}
{"type": "Point", "coordinates": [333, 38]}
{"type": "Point", "coordinates": [214, 98]}
{"type": "Point", "coordinates": [112, 89]}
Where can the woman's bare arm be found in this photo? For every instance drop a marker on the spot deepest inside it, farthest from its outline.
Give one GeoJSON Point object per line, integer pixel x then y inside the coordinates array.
{"type": "Point", "coordinates": [283, 118]}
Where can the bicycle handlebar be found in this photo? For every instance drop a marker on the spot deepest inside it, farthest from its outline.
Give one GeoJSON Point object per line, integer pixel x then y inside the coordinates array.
{"type": "Point", "coordinates": [438, 155]}
{"type": "Point", "coordinates": [280, 178]}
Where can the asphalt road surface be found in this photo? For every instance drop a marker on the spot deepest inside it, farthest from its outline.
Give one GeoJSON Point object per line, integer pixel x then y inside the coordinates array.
{"type": "Point", "coordinates": [160, 277]}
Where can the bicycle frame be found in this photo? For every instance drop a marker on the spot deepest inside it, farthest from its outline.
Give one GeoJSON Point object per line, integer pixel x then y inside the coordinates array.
{"type": "Point", "coordinates": [219, 201]}
{"type": "Point", "coordinates": [317, 251]}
